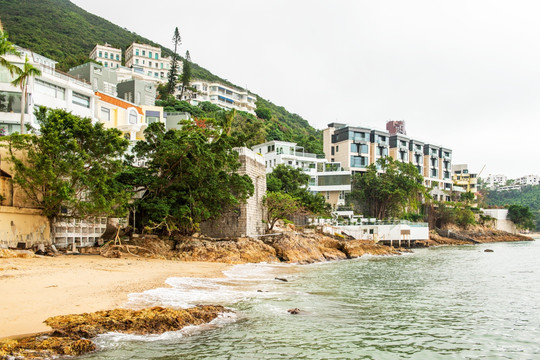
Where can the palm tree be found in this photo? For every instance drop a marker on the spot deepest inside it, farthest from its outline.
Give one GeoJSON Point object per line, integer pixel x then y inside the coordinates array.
{"type": "Point", "coordinates": [6, 48]}
{"type": "Point", "coordinates": [23, 75]}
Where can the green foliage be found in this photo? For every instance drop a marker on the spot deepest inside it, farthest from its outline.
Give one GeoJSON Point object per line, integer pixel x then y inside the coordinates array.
{"type": "Point", "coordinates": [521, 216]}
{"type": "Point", "coordinates": [7, 48]}
{"type": "Point", "coordinates": [24, 74]}
{"type": "Point", "coordinates": [388, 194]}
{"type": "Point", "coordinates": [464, 217]}
{"type": "Point", "coordinates": [529, 196]}
{"type": "Point", "coordinates": [72, 164]}
{"type": "Point", "coordinates": [467, 197]}
{"type": "Point", "coordinates": [189, 176]}
{"type": "Point", "coordinates": [292, 181]}
{"type": "Point", "coordinates": [279, 205]}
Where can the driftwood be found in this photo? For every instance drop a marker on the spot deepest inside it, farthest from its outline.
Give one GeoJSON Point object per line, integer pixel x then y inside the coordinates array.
{"type": "Point", "coordinates": [114, 249]}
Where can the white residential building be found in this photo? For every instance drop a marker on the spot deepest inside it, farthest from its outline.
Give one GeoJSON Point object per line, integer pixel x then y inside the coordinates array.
{"type": "Point", "coordinates": [53, 89]}
{"type": "Point", "coordinates": [527, 180]}
{"type": "Point", "coordinates": [224, 96]}
{"type": "Point", "coordinates": [326, 178]}
{"type": "Point", "coordinates": [107, 55]}
{"type": "Point", "coordinates": [146, 59]}
{"type": "Point", "coordinates": [494, 181]}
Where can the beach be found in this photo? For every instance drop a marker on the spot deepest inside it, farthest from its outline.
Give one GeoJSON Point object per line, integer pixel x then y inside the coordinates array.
{"type": "Point", "coordinates": [34, 289]}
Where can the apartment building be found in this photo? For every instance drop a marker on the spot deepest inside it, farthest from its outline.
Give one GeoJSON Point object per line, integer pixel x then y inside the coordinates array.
{"type": "Point", "coordinates": [53, 89]}
{"type": "Point", "coordinates": [527, 180]}
{"type": "Point", "coordinates": [224, 96]}
{"type": "Point", "coordinates": [463, 178]}
{"type": "Point", "coordinates": [326, 178]}
{"type": "Point", "coordinates": [101, 78]}
{"type": "Point", "coordinates": [107, 55]}
{"type": "Point", "coordinates": [147, 59]}
{"type": "Point", "coordinates": [495, 181]}
{"type": "Point", "coordinates": [357, 147]}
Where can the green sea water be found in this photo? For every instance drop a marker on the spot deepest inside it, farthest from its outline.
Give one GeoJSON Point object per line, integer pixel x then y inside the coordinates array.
{"type": "Point", "coordinates": [437, 303]}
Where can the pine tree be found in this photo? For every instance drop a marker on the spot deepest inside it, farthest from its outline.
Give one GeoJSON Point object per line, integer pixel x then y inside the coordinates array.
{"type": "Point", "coordinates": [173, 71]}
{"type": "Point", "coordinates": [186, 73]}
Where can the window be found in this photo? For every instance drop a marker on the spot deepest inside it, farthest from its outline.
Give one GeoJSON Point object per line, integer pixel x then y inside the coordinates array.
{"type": "Point", "coordinates": [143, 62]}
{"type": "Point", "coordinates": [150, 54]}
{"type": "Point", "coordinates": [150, 63]}
{"type": "Point", "coordinates": [143, 53]}
{"type": "Point", "coordinates": [332, 151]}
{"type": "Point", "coordinates": [136, 61]}
{"type": "Point", "coordinates": [132, 117]}
{"type": "Point", "coordinates": [50, 89]}
{"type": "Point", "coordinates": [156, 56]}
{"type": "Point", "coordinates": [106, 64]}
{"type": "Point", "coordinates": [117, 57]}
{"type": "Point", "coordinates": [162, 65]}
{"type": "Point", "coordinates": [156, 74]}
{"type": "Point", "coordinates": [358, 161]}
{"type": "Point", "coordinates": [337, 148]}
{"type": "Point", "coordinates": [100, 54]}
{"type": "Point", "coordinates": [151, 119]}
{"type": "Point", "coordinates": [81, 99]}
{"type": "Point", "coordinates": [106, 55]}
{"type": "Point", "coordinates": [10, 128]}
{"type": "Point", "coordinates": [137, 52]}
{"type": "Point", "coordinates": [105, 114]}
{"type": "Point", "coordinates": [10, 102]}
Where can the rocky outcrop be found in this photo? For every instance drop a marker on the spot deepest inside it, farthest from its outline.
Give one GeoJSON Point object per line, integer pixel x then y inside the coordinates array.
{"type": "Point", "coordinates": [237, 251]}
{"type": "Point", "coordinates": [473, 235]}
{"type": "Point", "coordinates": [71, 333]}
{"type": "Point", "coordinates": [290, 246]}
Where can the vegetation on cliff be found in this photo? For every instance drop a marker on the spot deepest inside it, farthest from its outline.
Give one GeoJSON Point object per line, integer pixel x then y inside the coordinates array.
{"type": "Point", "coordinates": [528, 196]}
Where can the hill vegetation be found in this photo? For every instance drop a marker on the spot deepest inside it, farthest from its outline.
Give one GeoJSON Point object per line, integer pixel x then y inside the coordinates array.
{"type": "Point", "coordinates": [529, 196]}
{"type": "Point", "coordinates": [66, 33]}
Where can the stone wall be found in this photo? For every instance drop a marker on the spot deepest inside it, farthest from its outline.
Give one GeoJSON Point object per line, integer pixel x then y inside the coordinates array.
{"type": "Point", "coordinates": [246, 219]}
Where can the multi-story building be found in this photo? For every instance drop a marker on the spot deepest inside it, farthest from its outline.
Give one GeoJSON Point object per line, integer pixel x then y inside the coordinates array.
{"type": "Point", "coordinates": [357, 147]}
{"type": "Point", "coordinates": [52, 88]}
{"type": "Point", "coordinates": [107, 55]}
{"type": "Point", "coordinates": [137, 91]}
{"type": "Point", "coordinates": [101, 78]}
{"type": "Point", "coordinates": [495, 181]}
{"type": "Point", "coordinates": [463, 178]}
{"type": "Point", "coordinates": [527, 180]}
{"type": "Point", "coordinates": [147, 59]}
{"type": "Point", "coordinates": [224, 96]}
{"type": "Point", "coordinates": [326, 178]}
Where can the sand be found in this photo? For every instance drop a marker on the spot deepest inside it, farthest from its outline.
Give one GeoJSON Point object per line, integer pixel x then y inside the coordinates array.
{"type": "Point", "coordinates": [31, 290]}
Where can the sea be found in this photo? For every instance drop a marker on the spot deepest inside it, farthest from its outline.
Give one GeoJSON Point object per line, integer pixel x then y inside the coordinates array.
{"type": "Point", "coordinates": [457, 302]}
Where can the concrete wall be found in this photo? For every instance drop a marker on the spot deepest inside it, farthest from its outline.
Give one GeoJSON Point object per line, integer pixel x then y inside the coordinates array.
{"type": "Point", "coordinates": [380, 232]}
{"type": "Point", "coordinates": [246, 219]}
{"type": "Point", "coordinates": [501, 220]}
{"type": "Point", "coordinates": [23, 225]}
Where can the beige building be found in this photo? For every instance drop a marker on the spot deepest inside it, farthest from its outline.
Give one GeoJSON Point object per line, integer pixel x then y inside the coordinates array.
{"type": "Point", "coordinates": [147, 60]}
{"type": "Point", "coordinates": [224, 96]}
{"type": "Point", "coordinates": [107, 55]}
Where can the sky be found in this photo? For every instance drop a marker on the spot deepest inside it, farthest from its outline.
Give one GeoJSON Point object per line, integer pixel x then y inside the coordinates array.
{"type": "Point", "coordinates": [462, 74]}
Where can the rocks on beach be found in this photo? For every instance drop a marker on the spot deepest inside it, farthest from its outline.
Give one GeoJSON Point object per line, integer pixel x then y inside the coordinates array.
{"type": "Point", "coordinates": [72, 333]}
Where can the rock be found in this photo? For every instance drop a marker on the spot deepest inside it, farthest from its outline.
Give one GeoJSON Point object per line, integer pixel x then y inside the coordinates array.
{"type": "Point", "coordinates": [488, 250]}
{"type": "Point", "coordinates": [294, 311]}
{"type": "Point", "coordinates": [41, 248]}
{"type": "Point", "coordinates": [281, 279]}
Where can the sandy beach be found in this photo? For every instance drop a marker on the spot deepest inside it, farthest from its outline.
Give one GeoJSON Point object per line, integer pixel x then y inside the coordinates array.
{"type": "Point", "coordinates": [33, 289]}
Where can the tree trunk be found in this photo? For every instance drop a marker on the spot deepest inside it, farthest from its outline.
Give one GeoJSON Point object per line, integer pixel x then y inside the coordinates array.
{"type": "Point", "coordinates": [23, 103]}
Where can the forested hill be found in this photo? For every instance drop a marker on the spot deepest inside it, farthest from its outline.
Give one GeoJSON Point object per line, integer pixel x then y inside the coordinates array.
{"type": "Point", "coordinates": [66, 33]}
{"type": "Point", "coordinates": [528, 196]}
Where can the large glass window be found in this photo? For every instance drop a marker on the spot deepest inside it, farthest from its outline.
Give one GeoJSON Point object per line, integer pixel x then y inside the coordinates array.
{"type": "Point", "coordinates": [10, 128]}
{"type": "Point", "coordinates": [358, 161]}
{"type": "Point", "coordinates": [81, 99]}
{"type": "Point", "coordinates": [329, 180]}
{"type": "Point", "coordinates": [51, 90]}
{"type": "Point", "coordinates": [151, 119]}
{"type": "Point", "coordinates": [10, 102]}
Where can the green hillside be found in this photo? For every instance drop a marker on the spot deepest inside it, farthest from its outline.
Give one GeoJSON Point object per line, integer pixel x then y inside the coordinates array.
{"type": "Point", "coordinates": [66, 33]}
{"type": "Point", "coordinates": [528, 196]}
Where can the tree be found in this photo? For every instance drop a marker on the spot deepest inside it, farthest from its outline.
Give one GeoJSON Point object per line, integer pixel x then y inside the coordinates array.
{"type": "Point", "coordinates": [468, 197]}
{"type": "Point", "coordinates": [521, 216]}
{"type": "Point", "coordinates": [23, 75]}
{"type": "Point", "coordinates": [279, 206]}
{"type": "Point", "coordinates": [190, 176]}
{"type": "Point", "coordinates": [172, 76]}
{"type": "Point", "coordinates": [73, 164]}
{"type": "Point", "coordinates": [186, 73]}
{"type": "Point", "coordinates": [6, 48]}
{"type": "Point", "coordinates": [398, 187]}
{"type": "Point", "coordinates": [289, 180]}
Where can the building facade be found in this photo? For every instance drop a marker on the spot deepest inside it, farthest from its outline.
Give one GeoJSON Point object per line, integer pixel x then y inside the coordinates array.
{"type": "Point", "coordinates": [107, 55]}
{"type": "Point", "coordinates": [357, 147]}
{"type": "Point", "coordinates": [527, 180]}
{"type": "Point", "coordinates": [224, 96]}
{"type": "Point", "coordinates": [326, 178]}
{"type": "Point", "coordinates": [147, 59]}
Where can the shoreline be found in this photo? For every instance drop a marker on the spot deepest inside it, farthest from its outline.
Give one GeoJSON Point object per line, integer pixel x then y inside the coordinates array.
{"type": "Point", "coordinates": [37, 288]}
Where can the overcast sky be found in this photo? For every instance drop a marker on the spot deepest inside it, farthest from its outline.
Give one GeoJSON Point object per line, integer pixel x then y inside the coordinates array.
{"type": "Point", "coordinates": [463, 74]}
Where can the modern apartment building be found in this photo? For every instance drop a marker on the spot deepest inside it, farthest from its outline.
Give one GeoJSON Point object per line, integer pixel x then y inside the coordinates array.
{"type": "Point", "coordinates": [463, 178]}
{"type": "Point", "coordinates": [107, 55]}
{"type": "Point", "coordinates": [494, 181]}
{"type": "Point", "coordinates": [326, 178]}
{"type": "Point", "coordinates": [527, 180]}
{"type": "Point", "coordinates": [101, 78]}
{"type": "Point", "coordinates": [357, 147]}
{"type": "Point", "coordinates": [53, 89]}
{"type": "Point", "coordinates": [224, 96]}
{"type": "Point", "coordinates": [147, 59]}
